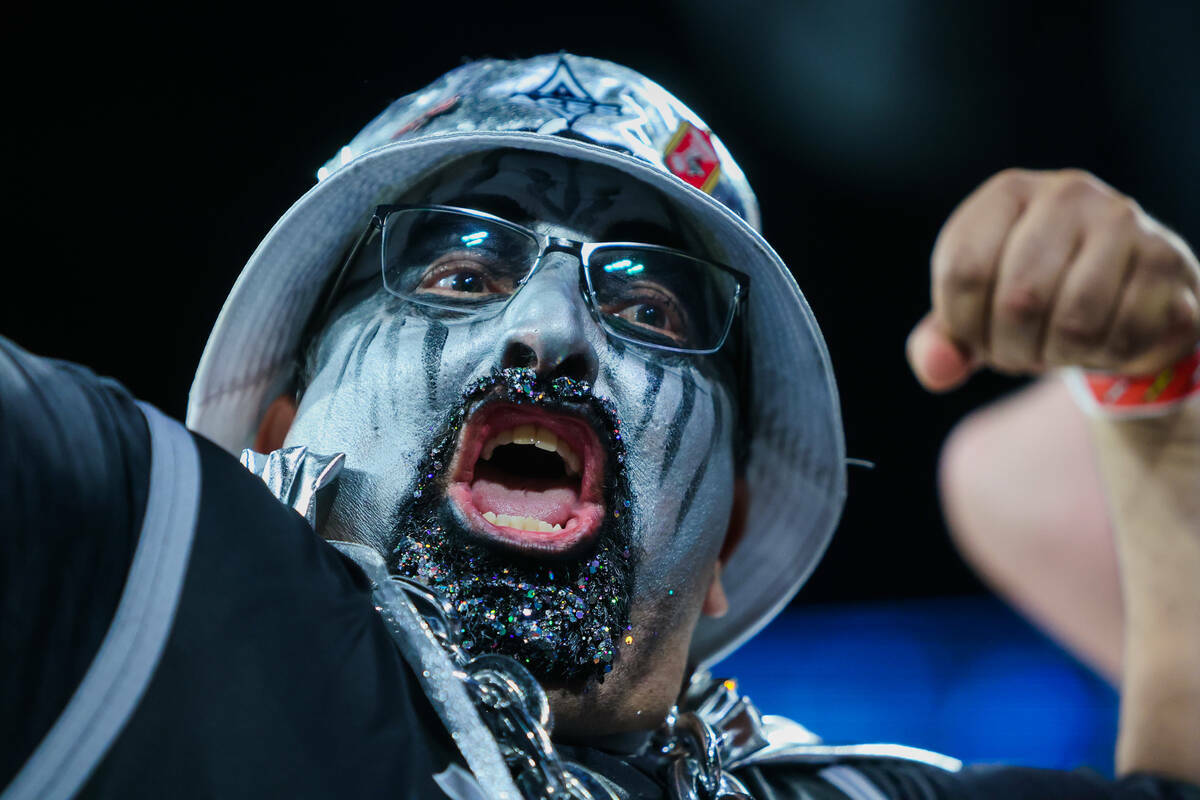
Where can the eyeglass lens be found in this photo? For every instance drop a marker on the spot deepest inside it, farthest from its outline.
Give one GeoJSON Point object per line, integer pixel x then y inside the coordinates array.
{"type": "Point", "coordinates": [462, 262]}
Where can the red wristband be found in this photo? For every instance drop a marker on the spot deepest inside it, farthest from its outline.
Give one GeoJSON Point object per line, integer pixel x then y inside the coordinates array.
{"type": "Point", "coordinates": [1109, 395]}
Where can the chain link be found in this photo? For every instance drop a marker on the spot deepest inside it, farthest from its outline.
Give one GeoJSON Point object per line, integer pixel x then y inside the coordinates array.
{"type": "Point", "coordinates": [696, 770]}
{"type": "Point", "coordinates": [515, 709]}
{"type": "Point", "coordinates": [513, 706]}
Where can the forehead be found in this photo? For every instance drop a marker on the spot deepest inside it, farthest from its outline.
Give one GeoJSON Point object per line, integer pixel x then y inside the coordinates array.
{"type": "Point", "coordinates": [542, 190]}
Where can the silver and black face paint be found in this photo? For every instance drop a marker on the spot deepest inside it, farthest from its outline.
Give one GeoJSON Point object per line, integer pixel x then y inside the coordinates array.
{"type": "Point", "coordinates": [390, 381]}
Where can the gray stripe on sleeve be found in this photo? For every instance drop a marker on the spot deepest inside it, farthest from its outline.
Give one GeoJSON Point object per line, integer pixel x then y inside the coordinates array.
{"type": "Point", "coordinates": [126, 660]}
{"type": "Point", "coordinates": [853, 783]}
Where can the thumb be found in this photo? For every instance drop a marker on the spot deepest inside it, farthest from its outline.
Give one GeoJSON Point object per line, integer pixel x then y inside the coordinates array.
{"type": "Point", "coordinates": [938, 363]}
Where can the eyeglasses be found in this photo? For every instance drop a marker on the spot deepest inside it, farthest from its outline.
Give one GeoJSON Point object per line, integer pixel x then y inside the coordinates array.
{"type": "Point", "coordinates": [471, 262]}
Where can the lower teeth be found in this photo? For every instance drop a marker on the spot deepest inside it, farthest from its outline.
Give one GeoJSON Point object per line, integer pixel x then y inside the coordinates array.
{"type": "Point", "coordinates": [520, 523]}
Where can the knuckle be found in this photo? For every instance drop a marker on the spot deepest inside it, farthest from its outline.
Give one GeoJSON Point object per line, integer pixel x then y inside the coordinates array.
{"type": "Point", "coordinates": [1162, 262]}
{"type": "Point", "coordinates": [1076, 174]}
{"type": "Point", "coordinates": [1021, 304]}
{"type": "Point", "coordinates": [1079, 329]}
{"type": "Point", "coordinates": [964, 270]}
{"type": "Point", "coordinates": [1181, 313]}
{"type": "Point", "coordinates": [1076, 185]}
{"type": "Point", "coordinates": [1182, 309]}
{"type": "Point", "coordinates": [1008, 180]}
{"type": "Point", "coordinates": [1123, 214]}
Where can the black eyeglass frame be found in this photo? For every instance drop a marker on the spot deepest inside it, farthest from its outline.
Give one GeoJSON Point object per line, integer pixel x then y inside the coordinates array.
{"type": "Point", "coordinates": [546, 244]}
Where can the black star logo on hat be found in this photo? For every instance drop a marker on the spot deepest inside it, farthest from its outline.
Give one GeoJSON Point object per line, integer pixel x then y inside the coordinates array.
{"type": "Point", "coordinates": [564, 95]}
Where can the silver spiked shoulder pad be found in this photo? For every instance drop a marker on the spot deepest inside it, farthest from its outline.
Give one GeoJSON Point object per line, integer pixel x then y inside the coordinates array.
{"type": "Point", "coordinates": [299, 478]}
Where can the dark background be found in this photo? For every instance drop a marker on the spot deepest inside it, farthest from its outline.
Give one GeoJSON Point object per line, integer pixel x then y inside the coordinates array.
{"type": "Point", "coordinates": [147, 154]}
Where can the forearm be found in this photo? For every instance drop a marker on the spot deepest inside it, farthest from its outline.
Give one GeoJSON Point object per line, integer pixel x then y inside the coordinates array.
{"type": "Point", "coordinates": [1151, 471]}
{"type": "Point", "coordinates": [1024, 503]}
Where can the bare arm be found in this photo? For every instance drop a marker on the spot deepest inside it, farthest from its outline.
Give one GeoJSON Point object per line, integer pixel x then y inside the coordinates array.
{"type": "Point", "coordinates": [1151, 471]}
{"type": "Point", "coordinates": [1037, 270]}
{"type": "Point", "coordinates": [1025, 505]}
{"type": "Point", "coordinates": [1043, 502]}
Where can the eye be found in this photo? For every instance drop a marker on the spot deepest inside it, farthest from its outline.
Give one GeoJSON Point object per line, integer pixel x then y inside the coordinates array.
{"type": "Point", "coordinates": [462, 281]}
{"type": "Point", "coordinates": [466, 277]}
{"type": "Point", "coordinates": [648, 314]}
{"type": "Point", "coordinates": [653, 310]}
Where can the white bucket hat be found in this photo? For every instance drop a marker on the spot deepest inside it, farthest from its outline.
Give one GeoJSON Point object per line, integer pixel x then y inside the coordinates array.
{"type": "Point", "coordinates": [600, 112]}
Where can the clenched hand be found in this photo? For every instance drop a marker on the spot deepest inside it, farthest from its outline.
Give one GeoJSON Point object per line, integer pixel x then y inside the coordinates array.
{"type": "Point", "coordinates": [1046, 269]}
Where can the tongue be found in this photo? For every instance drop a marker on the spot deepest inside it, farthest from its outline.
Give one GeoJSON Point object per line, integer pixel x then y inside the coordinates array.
{"type": "Point", "coordinates": [545, 499]}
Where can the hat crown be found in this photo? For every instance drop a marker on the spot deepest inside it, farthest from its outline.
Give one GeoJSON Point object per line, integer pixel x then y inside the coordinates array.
{"type": "Point", "coordinates": [575, 97]}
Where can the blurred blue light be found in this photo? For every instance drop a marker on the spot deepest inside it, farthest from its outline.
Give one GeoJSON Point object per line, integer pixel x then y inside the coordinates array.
{"type": "Point", "coordinates": [964, 676]}
{"type": "Point", "coordinates": [472, 239]}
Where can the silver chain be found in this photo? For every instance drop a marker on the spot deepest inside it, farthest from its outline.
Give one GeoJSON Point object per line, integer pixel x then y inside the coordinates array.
{"type": "Point", "coordinates": [514, 707]}
{"type": "Point", "coordinates": [695, 750]}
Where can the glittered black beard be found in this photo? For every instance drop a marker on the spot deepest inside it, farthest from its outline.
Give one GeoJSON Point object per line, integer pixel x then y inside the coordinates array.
{"type": "Point", "coordinates": [562, 619]}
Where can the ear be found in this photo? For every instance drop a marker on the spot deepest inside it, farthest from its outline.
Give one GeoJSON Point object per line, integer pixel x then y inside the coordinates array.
{"type": "Point", "coordinates": [275, 424]}
{"type": "Point", "coordinates": [715, 601]}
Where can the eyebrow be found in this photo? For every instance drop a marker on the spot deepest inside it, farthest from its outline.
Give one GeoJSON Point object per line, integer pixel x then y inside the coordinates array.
{"type": "Point", "coordinates": [496, 204]}
{"type": "Point", "coordinates": [635, 230]}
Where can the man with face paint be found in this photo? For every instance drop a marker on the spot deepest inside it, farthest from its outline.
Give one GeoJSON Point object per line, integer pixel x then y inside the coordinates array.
{"type": "Point", "coordinates": [601, 578]}
{"type": "Point", "coordinates": [567, 432]}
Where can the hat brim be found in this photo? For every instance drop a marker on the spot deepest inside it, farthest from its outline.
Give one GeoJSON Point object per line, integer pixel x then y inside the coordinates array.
{"type": "Point", "coordinates": [796, 464]}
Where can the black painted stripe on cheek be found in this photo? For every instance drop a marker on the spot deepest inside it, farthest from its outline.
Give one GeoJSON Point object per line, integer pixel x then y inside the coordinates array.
{"type": "Point", "coordinates": [654, 376]}
{"type": "Point", "coordinates": [395, 323]}
{"type": "Point", "coordinates": [392, 342]}
{"type": "Point", "coordinates": [682, 415]}
{"type": "Point", "coordinates": [610, 377]}
{"type": "Point", "coordinates": [391, 332]}
{"type": "Point", "coordinates": [431, 357]}
{"type": "Point", "coordinates": [690, 494]}
{"type": "Point", "coordinates": [351, 352]}
{"type": "Point", "coordinates": [373, 329]}
{"type": "Point", "coordinates": [360, 356]}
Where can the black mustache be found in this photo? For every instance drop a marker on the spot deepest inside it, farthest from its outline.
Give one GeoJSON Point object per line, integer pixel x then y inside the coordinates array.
{"type": "Point", "coordinates": [521, 386]}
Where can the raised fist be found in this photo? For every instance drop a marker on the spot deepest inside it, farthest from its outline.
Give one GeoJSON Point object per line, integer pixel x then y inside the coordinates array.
{"type": "Point", "coordinates": [1036, 270]}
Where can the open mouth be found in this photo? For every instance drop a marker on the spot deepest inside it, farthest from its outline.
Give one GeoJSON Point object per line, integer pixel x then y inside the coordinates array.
{"type": "Point", "coordinates": [529, 479]}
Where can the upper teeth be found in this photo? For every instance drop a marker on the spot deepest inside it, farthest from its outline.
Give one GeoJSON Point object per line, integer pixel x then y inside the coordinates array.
{"type": "Point", "coordinates": [538, 437]}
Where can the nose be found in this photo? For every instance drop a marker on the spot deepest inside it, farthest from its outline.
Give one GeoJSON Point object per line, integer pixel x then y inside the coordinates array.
{"type": "Point", "coordinates": [547, 324]}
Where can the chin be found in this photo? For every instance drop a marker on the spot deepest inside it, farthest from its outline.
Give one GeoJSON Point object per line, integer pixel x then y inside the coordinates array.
{"type": "Point", "coordinates": [642, 687]}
